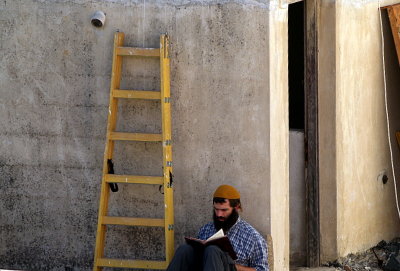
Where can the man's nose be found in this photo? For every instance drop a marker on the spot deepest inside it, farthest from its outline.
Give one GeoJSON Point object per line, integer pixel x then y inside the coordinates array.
{"type": "Point", "coordinates": [218, 213]}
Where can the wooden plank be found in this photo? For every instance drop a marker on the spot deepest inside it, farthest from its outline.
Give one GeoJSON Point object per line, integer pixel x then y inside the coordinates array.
{"type": "Point", "coordinates": [131, 179]}
{"type": "Point", "coordinates": [398, 138]}
{"type": "Point", "coordinates": [132, 221]}
{"type": "Point", "coordinates": [312, 10]}
{"type": "Point", "coordinates": [131, 51]}
{"type": "Point", "coordinates": [135, 137]}
{"type": "Point", "coordinates": [394, 17]}
{"type": "Point", "coordinates": [137, 94]}
{"type": "Point", "coordinates": [385, 7]}
{"type": "Point", "coordinates": [119, 263]}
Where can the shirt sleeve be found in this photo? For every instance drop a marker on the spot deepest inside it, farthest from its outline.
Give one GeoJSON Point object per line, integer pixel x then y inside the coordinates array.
{"type": "Point", "coordinates": [201, 233]}
{"type": "Point", "coordinates": [259, 256]}
{"type": "Point", "coordinates": [206, 231]}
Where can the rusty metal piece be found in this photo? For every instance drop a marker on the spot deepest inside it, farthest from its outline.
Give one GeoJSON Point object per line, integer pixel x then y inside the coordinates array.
{"type": "Point", "coordinates": [380, 262]}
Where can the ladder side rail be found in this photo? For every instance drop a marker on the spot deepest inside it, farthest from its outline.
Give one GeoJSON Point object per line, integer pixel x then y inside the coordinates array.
{"type": "Point", "coordinates": [111, 124]}
{"type": "Point", "coordinates": [167, 148]}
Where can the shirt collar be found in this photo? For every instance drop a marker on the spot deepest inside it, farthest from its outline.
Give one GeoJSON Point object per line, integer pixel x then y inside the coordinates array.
{"type": "Point", "coordinates": [234, 225]}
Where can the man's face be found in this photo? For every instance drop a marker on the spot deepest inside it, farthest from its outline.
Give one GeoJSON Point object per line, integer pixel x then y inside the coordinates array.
{"type": "Point", "coordinates": [222, 210]}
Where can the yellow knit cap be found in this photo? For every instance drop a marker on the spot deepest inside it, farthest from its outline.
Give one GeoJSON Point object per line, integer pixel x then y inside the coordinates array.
{"type": "Point", "coordinates": [226, 192]}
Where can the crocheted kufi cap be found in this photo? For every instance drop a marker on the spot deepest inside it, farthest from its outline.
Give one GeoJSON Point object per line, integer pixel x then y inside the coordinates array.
{"type": "Point", "coordinates": [226, 192]}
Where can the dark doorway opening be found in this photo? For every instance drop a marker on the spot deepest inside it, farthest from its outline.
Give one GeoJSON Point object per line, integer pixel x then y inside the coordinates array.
{"type": "Point", "coordinates": [296, 66]}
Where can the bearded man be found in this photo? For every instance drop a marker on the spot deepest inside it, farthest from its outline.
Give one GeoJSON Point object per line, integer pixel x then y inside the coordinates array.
{"type": "Point", "coordinates": [249, 245]}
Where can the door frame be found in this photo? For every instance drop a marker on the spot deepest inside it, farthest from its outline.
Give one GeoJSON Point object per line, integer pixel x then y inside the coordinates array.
{"type": "Point", "coordinates": [312, 11]}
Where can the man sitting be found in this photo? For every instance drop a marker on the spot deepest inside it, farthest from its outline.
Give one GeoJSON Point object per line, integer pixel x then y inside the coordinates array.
{"type": "Point", "coordinates": [249, 245]}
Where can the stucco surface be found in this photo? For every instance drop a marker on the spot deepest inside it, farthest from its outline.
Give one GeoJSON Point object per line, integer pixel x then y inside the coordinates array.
{"type": "Point", "coordinates": [366, 210]}
{"type": "Point", "coordinates": [279, 136]}
{"type": "Point", "coordinates": [356, 210]}
{"type": "Point", "coordinates": [54, 76]}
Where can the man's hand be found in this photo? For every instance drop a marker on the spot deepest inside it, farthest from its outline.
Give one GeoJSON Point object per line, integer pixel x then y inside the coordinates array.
{"type": "Point", "coordinates": [244, 268]}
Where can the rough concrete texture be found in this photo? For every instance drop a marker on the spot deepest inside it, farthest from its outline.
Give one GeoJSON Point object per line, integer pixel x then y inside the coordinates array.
{"type": "Point", "coordinates": [55, 76]}
{"type": "Point", "coordinates": [366, 208]}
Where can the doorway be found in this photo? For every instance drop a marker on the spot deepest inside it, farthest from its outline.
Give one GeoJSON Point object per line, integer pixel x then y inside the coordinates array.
{"type": "Point", "coordinates": [303, 125]}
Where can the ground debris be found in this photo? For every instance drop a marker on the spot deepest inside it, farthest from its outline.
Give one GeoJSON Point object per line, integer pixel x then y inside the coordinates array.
{"type": "Point", "coordinates": [384, 256]}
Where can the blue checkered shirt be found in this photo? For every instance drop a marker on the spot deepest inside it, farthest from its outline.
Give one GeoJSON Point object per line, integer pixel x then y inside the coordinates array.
{"type": "Point", "coordinates": [249, 245]}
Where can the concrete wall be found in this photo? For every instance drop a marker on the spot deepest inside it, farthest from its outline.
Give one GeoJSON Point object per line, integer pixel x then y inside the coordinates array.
{"type": "Point", "coordinates": [365, 208]}
{"type": "Point", "coordinates": [297, 192]}
{"type": "Point", "coordinates": [228, 127]}
{"type": "Point", "coordinates": [357, 211]}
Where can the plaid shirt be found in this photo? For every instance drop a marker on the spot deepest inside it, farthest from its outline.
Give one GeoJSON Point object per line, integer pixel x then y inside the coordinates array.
{"type": "Point", "coordinates": [249, 245]}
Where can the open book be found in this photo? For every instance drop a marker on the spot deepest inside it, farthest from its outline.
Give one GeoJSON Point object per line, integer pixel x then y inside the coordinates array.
{"type": "Point", "coordinates": [218, 239]}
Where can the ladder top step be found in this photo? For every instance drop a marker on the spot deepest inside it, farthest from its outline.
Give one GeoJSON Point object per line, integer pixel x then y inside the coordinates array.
{"type": "Point", "coordinates": [133, 51]}
{"type": "Point", "coordinates": [135, 137]}
{"type": "Point", "coordinates": [131, 263]}
{"type": "Point", "coordinates": [136, 94]}
{"type": "Point", "coordinates": [131, 179]}
{"type": "Point", "coordinates": [132, 221]}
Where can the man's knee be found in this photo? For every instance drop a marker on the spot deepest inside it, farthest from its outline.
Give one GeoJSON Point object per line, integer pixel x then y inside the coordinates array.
{"type": "Point", "coordinates": [210, 250]}
{"type": "Point", "coordinates": [215, 259]}
{"type": "Point", "coordinates": [185, 250]}
{"type": "Point", "coordinates": [183, 260]}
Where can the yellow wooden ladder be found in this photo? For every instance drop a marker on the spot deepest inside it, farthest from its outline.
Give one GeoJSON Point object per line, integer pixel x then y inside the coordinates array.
{"type": "Point", "coordinates": [110, 180]}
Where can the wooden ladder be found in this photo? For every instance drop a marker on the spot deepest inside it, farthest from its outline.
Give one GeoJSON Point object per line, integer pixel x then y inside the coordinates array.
{"type": "Point", "coordinates": [110, 180]}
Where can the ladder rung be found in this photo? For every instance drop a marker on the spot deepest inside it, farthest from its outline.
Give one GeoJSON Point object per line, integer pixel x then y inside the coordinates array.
{"type": "Point", "coordinates": [131, 263]}
{"type": "Point", "coordinates": [132, 51]}
{"type": "Point", "coordinates": [133, 221]}
{"type": "Point", "coordinates": [111, 178]}
{"type": "Point", "coordinates": [137, 94]}
{"type": "Point", "coordinates": [135, 136]}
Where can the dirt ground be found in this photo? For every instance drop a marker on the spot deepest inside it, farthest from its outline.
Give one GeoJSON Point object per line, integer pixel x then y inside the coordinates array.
{"type": "Point", "coordinates": [384, 256]}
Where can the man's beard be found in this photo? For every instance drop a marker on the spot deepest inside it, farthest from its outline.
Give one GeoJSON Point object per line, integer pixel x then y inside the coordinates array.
{"type": "Point", "coordinates": [226, 224]}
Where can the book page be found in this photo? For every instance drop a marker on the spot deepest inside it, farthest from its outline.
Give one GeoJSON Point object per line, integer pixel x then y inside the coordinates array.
{"type": "Point", "coordinates": [217, 235]}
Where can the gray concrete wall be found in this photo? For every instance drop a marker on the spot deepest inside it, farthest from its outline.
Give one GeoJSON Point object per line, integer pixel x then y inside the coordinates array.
{"type": "Point", "coordinates": [297, 192]}
{"type": "Point", "coordinates": [54, 76]}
